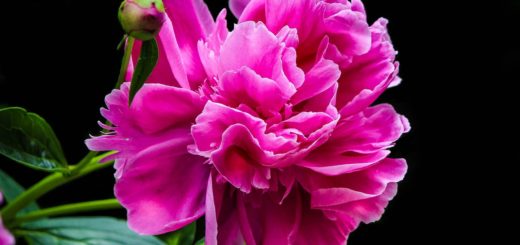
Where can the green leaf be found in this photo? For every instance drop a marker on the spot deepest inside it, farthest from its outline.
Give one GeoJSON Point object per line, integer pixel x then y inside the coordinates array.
{"type": "Point", "coordinates": [145, 64]}
{"type": "Point", "coordinates": [28, 139]}
{"type": "Point", "coordinates": [200, 242]}
{"type": "Point", "coordinates": [82, 230]}
{"type": "Point", "coordinates": [184, 236]}
{"type": "Point", "coordinates": [11, 189]}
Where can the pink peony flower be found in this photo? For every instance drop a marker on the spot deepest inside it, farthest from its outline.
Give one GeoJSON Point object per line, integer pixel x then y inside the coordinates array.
{"type": "Point", "coordinates": [5, 237]}
{"type": "Point", "coordinates": [266, 130]}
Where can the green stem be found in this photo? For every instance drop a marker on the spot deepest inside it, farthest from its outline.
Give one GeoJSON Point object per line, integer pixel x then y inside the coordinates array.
{"type": "Point", "coordinates": [47, 184]}
{"type": "Point", "coordinates": [68, 209]}
{"type": "Point", "coordinates": [126, 60]}
{"type": "Point", "coordinates": [84, 162]}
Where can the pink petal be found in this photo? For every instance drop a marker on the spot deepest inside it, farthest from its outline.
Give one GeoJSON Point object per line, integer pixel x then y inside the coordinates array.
{"type": "Point", "coordinates": [170, 58]}
{"type": "Point", "coordinates": [222, 226]}
{"type": "Point", "coordinates": [191, 21]}
{"type": "Point", "coordinates": [187, 22]}
{"type": "Point", "coordinates": [371, 209]}
{"type": "Point", "coordinates": [323, 75]}
{"type": "Point", "coordinates": [238, 160]}
{"type": "Point", "coordinates": [169, 69]}
{"type": "Point", "coordinates": [163, 188]}
{"type": "Point", "coordinates": [265, 221]}
{"type": "Point", "coordinates": [307, 122]}
{"type": "Point", "coordinates": [260, 50]}
{"type": "Point", "coordinates": [168, 110]}
{"type": "Point", "coordinates": [348, 30]}
{"type": "Point", "coordinates": [246, 87]}
{"type": "Point", "coordinates": [336, 164]}
{"type": "Point", "coordinates": [368, 75]}
{"type": "Point", "coordinates": [332, 192]}
{"type": "Point", "coordinates": [358, 141]}
{"type": "Point", "coordinates": [157, 107]}
{"type": "Point", "coordinates": [173, 110]}
{"type": "Point", "coordinates": [216, 118]}
{"type": "Point", "coordinates": [375, 128]}
{"type": "Point", "coordinates": [237, 6]}
{"type": "Point", "coordinates": [317, 229]}
{"type": "Point", "coordinates": [346, 27]}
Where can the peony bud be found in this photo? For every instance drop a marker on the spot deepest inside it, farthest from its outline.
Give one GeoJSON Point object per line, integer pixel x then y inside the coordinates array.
{"type": "Point", "coordinates": [142, 19]}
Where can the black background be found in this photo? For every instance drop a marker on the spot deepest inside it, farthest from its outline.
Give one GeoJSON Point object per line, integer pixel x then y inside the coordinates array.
{"type": "Point", "coordinates": [47, 47]}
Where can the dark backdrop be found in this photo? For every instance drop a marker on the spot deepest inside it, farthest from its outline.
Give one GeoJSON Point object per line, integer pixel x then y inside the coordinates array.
{"type": "Point", "coordinates": [51, 46]}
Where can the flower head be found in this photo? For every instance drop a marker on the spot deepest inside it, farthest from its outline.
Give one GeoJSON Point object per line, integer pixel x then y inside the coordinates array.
{"type": "Point", "coordinates": [267, 129]}
{"type": "Point", "coordinates": [142, 19]}
{"type": "Point", "coordinates": [5, 237]}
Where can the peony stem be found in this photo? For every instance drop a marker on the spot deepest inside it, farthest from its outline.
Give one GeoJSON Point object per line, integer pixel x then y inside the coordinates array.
{"type": "Point", "coordinates": [72, 208]}
{"type": "Point", "coordinates": [126, 60]}
{"type": "Point", "coordinates": [47, 184]}
{"type": "Point", "coordinates": [84, 162]}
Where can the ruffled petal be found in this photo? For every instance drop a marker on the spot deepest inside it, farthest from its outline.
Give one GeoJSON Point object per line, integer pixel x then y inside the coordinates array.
{"type": "Point", "coordinates": [368, 75]}
{"type": "Point", "coordinates": [358, 141]}
{"type": "Point", "coordinates": [165, 108]}
{"type": "Point", "coordinates": [163, 188]}
{"type": "Point", "coordinates": [344, 23]}
{"type": "Point", "coordinates": [238, 160]}
{"type": "Point", "coordinates": [261, 51]}
{"type": "Point", "coordinates": [347, 194]}
{"type": "Point", "coordinates": [244, 86]}
{"type": "Point", "coordinates": [216, 118]}
{"type": "Point", "coordinates": [321, 77]}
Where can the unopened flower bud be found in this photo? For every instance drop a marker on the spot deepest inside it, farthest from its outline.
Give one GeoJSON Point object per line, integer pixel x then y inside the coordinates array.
{"type": "Point", "coordinates": [142, 19]}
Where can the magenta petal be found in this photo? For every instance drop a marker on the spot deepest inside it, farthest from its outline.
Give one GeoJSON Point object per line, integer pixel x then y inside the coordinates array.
{"type": "Point", "coordinates": [163, 188]}
{"type": "Point", "coordinates": [191, 21]}
{"type": "Point", "coordinates": [337, 164]}
{"type": "Point", "coordinates": [371, 209]}
{"type": "Point", "coordinates": [157, 107]}
{"type": "Point", "coordinates": [348, 30]}
{"type": "Point", "coordinates": [373, 129]}
{"type": "Point", "coordinates": [238, 158]}
{"type": "Point", "coordinates": [331, 193]}
{"type": "Point", "coordinates": [358, 141]}
{"type": "Point", "coordinates": [368, 75]}
{"type": "Point", "coordinates": [323, 75]}
{"type": "Point", "coordinates": [237, 6]}
{"type": "Point", "coordinates": [317, 229]}
{"type": "Point", "coordinates": [157, 114]}
{"type": "Point", "coordinates": [246, 87]}
{"type": "Point", "coordinates": [187, 22]}
{"type": "Point", "coordinates": [221, 217]}
{"type": "Point", "coordinates": [265, 221]}
{"type": "Point", "coordinates": [170, 58]}
{"type": "Point", "coordinates": [216, 118]}
{"type": "Point", "coordinates": [261, 55]}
